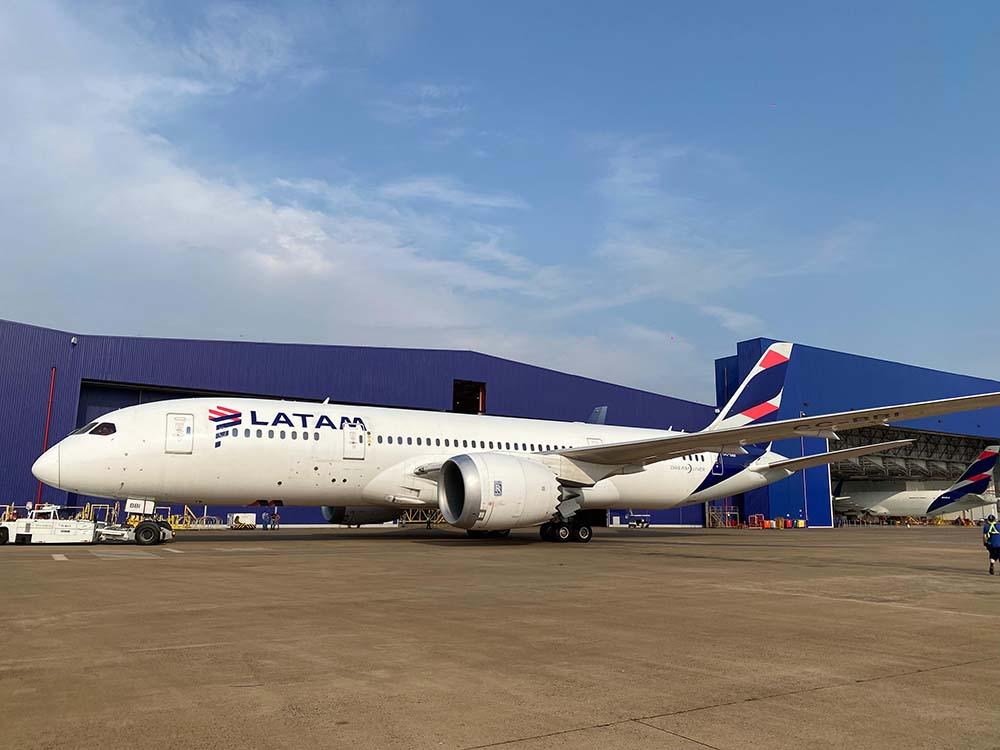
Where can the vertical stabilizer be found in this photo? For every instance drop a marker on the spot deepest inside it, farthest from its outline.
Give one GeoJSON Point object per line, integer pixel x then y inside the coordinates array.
{"type": "Point", "coordinates": [759, 396]}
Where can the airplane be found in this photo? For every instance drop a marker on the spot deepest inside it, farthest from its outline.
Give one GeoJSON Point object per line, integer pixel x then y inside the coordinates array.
{"type": "Point", "coordinates": [485, 474]}
{"type": "Point", "coordinates": [965, 494]}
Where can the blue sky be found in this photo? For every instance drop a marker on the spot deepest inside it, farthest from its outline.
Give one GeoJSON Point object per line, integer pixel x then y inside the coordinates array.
{"type": "Point", "coordinates": [619, 190]}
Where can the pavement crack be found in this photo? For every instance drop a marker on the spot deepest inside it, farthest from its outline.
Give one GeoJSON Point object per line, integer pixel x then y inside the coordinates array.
{"type": "Point", "coordinates": [676, 734]}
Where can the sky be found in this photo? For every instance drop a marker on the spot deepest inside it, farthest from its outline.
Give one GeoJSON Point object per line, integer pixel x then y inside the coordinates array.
{"type": "Point", "coordinates": [617, 190]}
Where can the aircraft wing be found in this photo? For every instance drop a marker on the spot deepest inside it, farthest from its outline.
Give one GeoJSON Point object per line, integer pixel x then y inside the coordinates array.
{"type": "Point", "coordinates": [732, 439]}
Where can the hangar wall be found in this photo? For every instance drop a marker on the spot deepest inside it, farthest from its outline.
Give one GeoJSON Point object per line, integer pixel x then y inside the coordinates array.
{"type": "Point", "coordinates": [821, 381]}
{"type": "Point", "coordinates": [99, 373]}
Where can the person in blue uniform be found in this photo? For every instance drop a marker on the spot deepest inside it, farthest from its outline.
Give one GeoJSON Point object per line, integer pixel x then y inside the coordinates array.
{"type": "Point", "coordinates": [991, 540]}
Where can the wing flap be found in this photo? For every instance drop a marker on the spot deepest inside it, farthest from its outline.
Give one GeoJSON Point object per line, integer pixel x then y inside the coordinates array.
{"type": "Point", "coordinates": [731, 439]}
{"type": "Point", "coordinates": [820, 459]}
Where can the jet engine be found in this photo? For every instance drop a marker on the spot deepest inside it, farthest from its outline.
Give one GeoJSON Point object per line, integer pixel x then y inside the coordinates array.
{"type": "Point", "coordinates": [494, 491]}
{"type": "Point", "coordinates": [356, 515]}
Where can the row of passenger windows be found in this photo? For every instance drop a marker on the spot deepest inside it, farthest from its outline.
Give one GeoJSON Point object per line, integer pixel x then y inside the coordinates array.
{"type": "Point", "coordinates": [436, 442]}
{"type": "Point", "coordinates": [280, 434]}
{"type": "Point", "coordinates": [448, 443]}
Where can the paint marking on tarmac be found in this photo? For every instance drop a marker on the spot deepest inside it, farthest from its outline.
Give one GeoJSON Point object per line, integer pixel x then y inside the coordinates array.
{"type": "Point", "coordinates": [242, 549]}
{"type": "Point", "coordinates": [175, 551]}
{"type": "Point", "coordinates": [123, 554]}
{"type": "Point", "coordinates": [59, 557]}
{"type": "Point", "coordinates": [179, 647]}
{"type": "Point", "coordinates": [851, 600]}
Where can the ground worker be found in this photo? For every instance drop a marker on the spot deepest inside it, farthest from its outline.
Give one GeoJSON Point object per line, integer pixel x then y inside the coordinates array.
{"type": "Point", "coordinates": [265, 520]}
{"type": "Point", "coordinates": [991, 540]}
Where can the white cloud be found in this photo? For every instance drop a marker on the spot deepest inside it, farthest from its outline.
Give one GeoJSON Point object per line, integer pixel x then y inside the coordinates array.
{"type": "Point", "coordinates": [421, 101]}
{"type": "Point", "coordinates": [448, 190]}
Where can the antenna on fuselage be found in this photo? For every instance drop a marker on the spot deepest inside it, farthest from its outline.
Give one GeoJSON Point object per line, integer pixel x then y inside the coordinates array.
{"type": "Point", "coordinates": [326, 400]}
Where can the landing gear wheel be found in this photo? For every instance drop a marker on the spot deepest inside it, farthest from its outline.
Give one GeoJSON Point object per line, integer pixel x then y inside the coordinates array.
{"type": "Point", "coordinates": [561, 532]}
{"type": "Point", "coordinates": [545, 532]}
{"type": "Point", "coordinates": [582, 533]}
{"type": "Point", "coordinates": [147, 533]}
{"type": "Point", "coordinates": [4, 535]}
{"type": "Point", "coordinates": [476, 533]}
{"type": "Point", "coordinates": [501, 534]}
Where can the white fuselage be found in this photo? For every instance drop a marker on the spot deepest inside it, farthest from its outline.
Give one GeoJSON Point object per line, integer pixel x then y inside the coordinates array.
{"type": "Point", "coordinates": [904, 503]}
{"type": "Point", "coordinates": [301, 453]}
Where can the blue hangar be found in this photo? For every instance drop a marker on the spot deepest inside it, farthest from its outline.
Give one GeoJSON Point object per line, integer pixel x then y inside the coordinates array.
{"type": "Point", "coordinates": [53, 381]}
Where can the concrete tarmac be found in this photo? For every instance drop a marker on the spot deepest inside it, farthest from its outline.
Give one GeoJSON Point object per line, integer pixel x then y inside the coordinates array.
{"type": "Point", "coordinates": [687, 639]}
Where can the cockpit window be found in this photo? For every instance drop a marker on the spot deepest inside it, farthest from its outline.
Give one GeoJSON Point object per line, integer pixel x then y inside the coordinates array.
{"type": "Point", "coordinates": [104, 428]}
{"type": "Point", "coordinates": [85, 428]}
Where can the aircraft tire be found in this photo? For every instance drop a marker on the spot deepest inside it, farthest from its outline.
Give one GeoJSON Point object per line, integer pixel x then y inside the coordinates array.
{"type": "Point", "coordinates": [4, 535]}
{"type": "Point", "coordinates": [561, 532]}
{"type": "Point", "coordinates": [476, 533]}
{"type": "Point", "coordinates": [545, 532]}
{"type": "Point", "coordinates": [501, 534]}
{"type": "Point", "coordinates": [147, 533]}
{"type": "Point", "coordinates": [582, 533]}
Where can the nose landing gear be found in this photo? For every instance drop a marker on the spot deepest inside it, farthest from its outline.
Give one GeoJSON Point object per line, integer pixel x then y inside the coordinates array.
{"type": "Point", "coordinates": [562, 531]}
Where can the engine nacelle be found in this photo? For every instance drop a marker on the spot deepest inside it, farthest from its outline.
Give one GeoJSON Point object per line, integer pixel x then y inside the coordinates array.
{"type": "Point", "coordinates": [356, 515]}
{"type": "Point", "coordinates": [494, 491]}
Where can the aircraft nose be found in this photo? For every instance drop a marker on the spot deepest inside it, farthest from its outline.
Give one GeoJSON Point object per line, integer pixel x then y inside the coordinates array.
{"type": "Point", "coordinates": [46, 468]}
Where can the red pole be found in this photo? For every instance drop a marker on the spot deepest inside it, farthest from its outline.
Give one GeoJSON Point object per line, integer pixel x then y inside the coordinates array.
{"type": "Point", "coordinates": [48, 421]}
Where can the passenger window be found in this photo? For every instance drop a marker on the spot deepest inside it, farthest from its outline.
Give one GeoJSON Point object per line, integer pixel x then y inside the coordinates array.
{"type": "Point", "coordinates": [465, 443]}
{"type": "Point", "coordinates": [532, 447]}
{"type": "Point", "coordinates": [437, 441]}
{"type": "Point", "coordinates": [482, 443]}
{"type": "Point", "coordinates": [86, 428]}
{"type": "Point", "coordinates": [491, 445]}
{"type": "Point", "coordinates": [104, 428]}
{"type": "Point", "coordinates": [270, 433]}
{"type": "Point", "coordinates": [305, 435]}
{"type": "Point", "coordinates": [446, 443]}
{"type": "Point", "coordinates": [236, 432]}
{"type": "Point", "coordinates": [389, 440]}
{"type": "Point", "coordinates": [418, 441]}
{"type": "Point", "coordinates": [399, 439]}
{"type": "Point", "coordinates": [507, 445]}
{"type": "Point", "coordinates": [282, 433]}
{"type": "Point", "coordinates": [409, 441]}
{"type": "Point", "coordinates": [379, 440]}
{"type": "Point", "coordinates": [315, 436]}
{"type": "Point", "coordinates": [260, 433]}
{"type": "Point", "coordinates": [246, 433]}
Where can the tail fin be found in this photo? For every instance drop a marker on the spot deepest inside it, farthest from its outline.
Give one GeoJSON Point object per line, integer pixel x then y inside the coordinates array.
{"type": "Point", "coordinates": [974, 480]}
{"type": "Point", "coordinates": [759, 396]}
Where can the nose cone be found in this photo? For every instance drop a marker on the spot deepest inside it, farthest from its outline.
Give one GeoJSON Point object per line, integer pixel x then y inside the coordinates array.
{"type": "Point", "coordinates": [46, 468]}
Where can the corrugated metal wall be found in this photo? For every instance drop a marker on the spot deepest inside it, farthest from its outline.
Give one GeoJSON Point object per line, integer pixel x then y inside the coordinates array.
{"type": "Point", "coordinates": [415, 378]}
{"type": "Point", "coordinates": [821, 381]}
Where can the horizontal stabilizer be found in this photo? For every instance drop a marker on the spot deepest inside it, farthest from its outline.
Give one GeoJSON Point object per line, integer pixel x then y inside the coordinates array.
{"type": "Point", "coordinates": [820, 459]}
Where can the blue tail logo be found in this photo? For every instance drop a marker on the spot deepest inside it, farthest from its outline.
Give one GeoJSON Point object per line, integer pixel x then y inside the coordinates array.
{"type": "Point", "coordinates": [759, 396]}
{"type": "Point", "coordinates": [974, 480]}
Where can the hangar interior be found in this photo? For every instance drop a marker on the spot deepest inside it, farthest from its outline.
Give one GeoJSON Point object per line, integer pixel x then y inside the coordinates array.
{"type": "Point", "coordinates": [54, 381]}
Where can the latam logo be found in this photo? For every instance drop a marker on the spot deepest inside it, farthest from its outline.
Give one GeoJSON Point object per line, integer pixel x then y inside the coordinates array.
{"type": "Point", "coordinates": [224, 418]}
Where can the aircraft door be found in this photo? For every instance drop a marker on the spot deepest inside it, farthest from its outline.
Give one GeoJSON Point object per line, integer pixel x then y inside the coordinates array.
{"type": "Point", "coordinates": [717, 467]}
{"type": "Point", "coordinates": [355, 442]}
{"type": "Point", "coordinates": [180, 433]}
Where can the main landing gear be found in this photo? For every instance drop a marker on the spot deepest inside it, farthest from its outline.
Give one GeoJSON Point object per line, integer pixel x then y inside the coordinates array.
{"type": "Point", "coordinates": [561, 531]}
